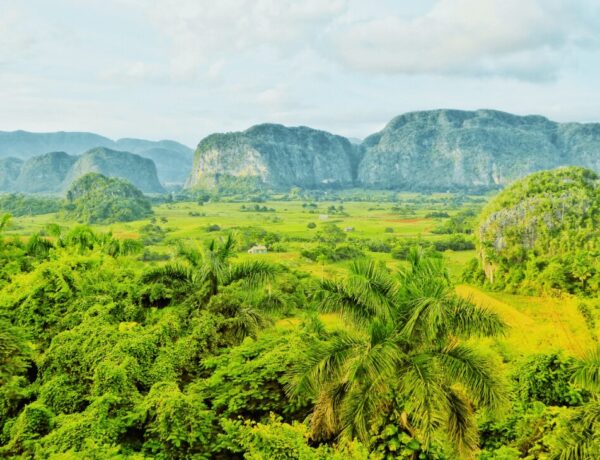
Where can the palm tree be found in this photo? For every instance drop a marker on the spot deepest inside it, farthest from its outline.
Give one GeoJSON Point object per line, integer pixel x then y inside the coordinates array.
{"type": "Point", "coordinates": [206, 271]}
{"type": "Point", "coordinates": [400, 353]}
{"type": "Point", "coordinates": [582, 438]}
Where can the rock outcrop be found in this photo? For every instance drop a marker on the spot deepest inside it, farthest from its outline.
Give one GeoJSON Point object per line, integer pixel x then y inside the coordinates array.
{"type": "Point", "coordinates": [280, 157]}
{"type": "Point", "coordinates": [461, 150]}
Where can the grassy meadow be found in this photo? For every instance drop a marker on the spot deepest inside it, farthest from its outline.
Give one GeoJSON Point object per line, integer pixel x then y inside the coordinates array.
{"type": "Point", "coordinates": [537, 324]}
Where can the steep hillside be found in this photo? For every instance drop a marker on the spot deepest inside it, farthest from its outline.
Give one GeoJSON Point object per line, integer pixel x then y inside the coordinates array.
{"type": "Point", "coordinates": [94, 198]}
{"type": "Point", "coordinates": [9, 171]}
{"type": "Point", "coordinates": [452, 149]}
{"type": "Point", "coordinates": [277, 156]}
{"type": "Point", "coordinates": [172, 166]}
{"type": "Point", "coordinates": [141, 172]}
{"type": "Point", "coordinates": [543, 233]}
{"type": "Point", "coordinates": [173, 160]}
{"type": "Point", "coordinates": [44, 173]}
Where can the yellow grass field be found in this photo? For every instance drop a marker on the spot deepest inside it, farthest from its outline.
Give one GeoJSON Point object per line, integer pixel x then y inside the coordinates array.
{"type": "Point", "coordinates": [536, 324]}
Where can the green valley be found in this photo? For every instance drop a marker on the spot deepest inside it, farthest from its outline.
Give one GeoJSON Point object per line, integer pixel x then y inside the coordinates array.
{"type": "Point", "coordinates": [167, 337]}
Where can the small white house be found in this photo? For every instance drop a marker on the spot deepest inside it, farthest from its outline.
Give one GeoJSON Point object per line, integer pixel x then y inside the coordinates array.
{"type": "Point", "coordinates": [349, 229]}
{"type": "Point", "coordinates": [258, 249]}
{"type": "Point", "coordinates": [323, 217]}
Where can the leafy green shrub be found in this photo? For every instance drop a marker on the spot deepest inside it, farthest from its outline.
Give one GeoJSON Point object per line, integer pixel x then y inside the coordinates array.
{"type": "Point", "coordinates": [455, 242]}
{"type": "Point", "coordinates": [332, 253]}
{"type": "Point", "coordinates": [94, 198]}
{"type": "Point", "coordinates": [547, 379]}
{"type": "Point", "coordinates": [462, 222]}
{"type": "Point", "coordinates": [437, 215]}
{"type": "Point", "coordinates": [152, 234]}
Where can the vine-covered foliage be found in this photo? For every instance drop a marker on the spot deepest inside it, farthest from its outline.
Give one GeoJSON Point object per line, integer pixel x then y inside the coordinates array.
{"type": "Point", "coordinates": [542, 234]}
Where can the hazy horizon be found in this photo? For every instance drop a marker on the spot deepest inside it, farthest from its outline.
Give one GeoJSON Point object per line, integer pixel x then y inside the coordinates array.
{"type": "Point", "coordinates": [182, 69]}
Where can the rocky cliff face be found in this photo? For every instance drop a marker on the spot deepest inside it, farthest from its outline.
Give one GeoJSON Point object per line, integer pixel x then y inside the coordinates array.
{"type": "Point", "coordinates": [141, 172]}
{"type": "Point", "coordinates": [435, 150]}
{"type": "Point", "coordinates": [451, 149]}
{"type": "Point", "coordinates": [280, 157]}
{"type": "Point", "coordinates": [44, 173]}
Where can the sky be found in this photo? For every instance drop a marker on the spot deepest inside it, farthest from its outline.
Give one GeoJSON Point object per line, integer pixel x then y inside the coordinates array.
{"type": "Point", "coordinates": [182, 69]}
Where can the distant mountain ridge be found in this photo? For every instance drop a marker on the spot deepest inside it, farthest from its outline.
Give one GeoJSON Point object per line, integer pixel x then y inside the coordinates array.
{"type": "Point", "coordinates": [173, 160]}
{"type": "Point", "coordinates": [434, 150]}
{"type": "Point", "coordinates": [54, 172]}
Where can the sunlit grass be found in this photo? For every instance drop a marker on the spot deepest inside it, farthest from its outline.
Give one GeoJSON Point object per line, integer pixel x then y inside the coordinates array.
{"type": "Point", "coordinates": [536, 324]}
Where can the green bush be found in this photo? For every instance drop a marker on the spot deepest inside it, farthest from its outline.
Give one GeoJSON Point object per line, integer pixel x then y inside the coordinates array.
{"type": "Point", "coordinates": [94, 198]}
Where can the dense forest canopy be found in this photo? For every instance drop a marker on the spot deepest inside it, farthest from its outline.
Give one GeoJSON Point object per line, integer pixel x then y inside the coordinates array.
{"type": "Point", "coordinates": [349, 339]}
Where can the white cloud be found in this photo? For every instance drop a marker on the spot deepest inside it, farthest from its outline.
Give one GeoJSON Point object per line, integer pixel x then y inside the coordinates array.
{"type": "Point", "coordinates": [203, 33]}
{"type": "Point", "coordinates": [526, 39]}
{"type": "Point", "coordinates": [16, 38]}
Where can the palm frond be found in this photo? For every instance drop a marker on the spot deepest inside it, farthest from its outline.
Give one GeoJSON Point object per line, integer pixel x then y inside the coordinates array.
{"type": "Point", "coordinates": [425, 308]}
{"type": "Point", "coordinates": [463, 365]}
{"type": "Point", "coordinates": [325, 419]}
{"type": "Point", "coordinates": [468, 320]}
{"type": "Point", "coordinates": [358, 299]}
{"type": "Point", "coordinates": [252, 272]}
{"type": "Point", "coordinates": [326, 361]}
{"type": "Point", "coordinates": [581, 439]}
{"type": "Point", "coordinates": [192, 255]}
{"type": "Point", "coordinates": [461, 426]}
{"type": "Point", "coordinates": [362, 406]}
{"type": "Point", "coordinates": [419, 383]}
{"type": "Point", "coordinates": [38, 246]}
{"type": "Point", "coordinates": [227, 247]}
{"type": "Point", "coordinates": [246, 322]}
{"type": "Point", "coordinates": [587, 371]}
{"type": "Point", "coordinates": [424, 267]}
{"type": "Point", "coordinates": [168, 274]}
